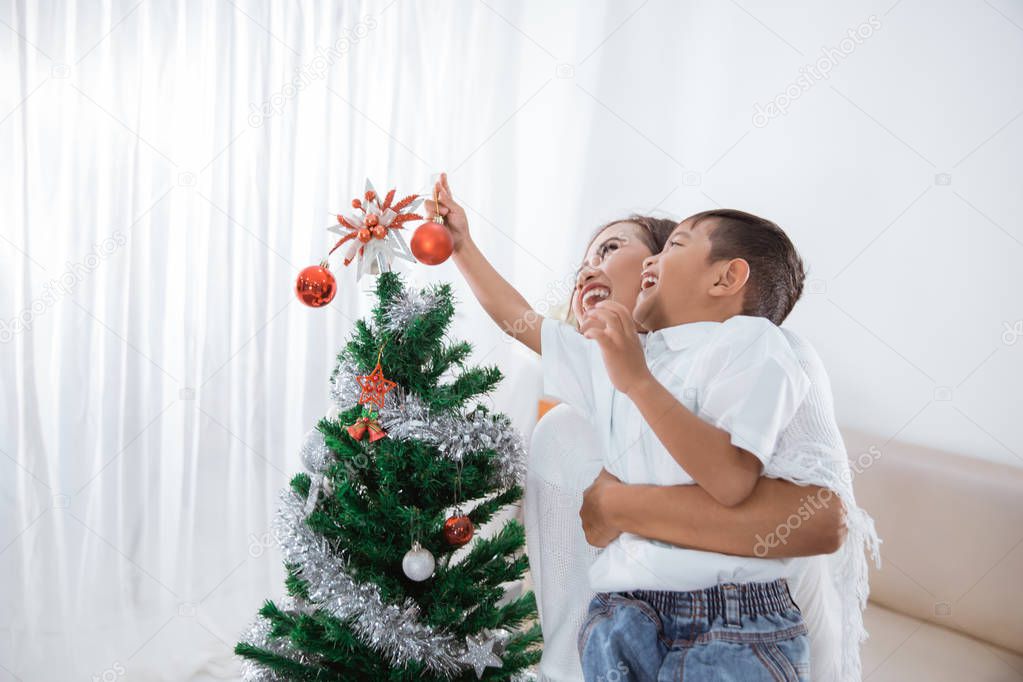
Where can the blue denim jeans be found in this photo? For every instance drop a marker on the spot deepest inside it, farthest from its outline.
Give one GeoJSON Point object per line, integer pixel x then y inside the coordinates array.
{"type": "Point", "coordinates": [744, 632]}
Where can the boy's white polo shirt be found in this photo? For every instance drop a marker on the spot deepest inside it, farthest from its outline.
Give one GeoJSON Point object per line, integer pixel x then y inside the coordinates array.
{"type": "Point", "coordinates": [740, 375]}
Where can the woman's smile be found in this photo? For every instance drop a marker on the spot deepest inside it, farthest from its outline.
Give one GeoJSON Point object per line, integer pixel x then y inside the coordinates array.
{"type": "Point", "coordinates": [592, 294]}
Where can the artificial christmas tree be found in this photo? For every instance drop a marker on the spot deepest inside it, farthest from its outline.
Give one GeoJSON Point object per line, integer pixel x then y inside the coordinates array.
{"type": "Point", "coordinates": [396, 485]}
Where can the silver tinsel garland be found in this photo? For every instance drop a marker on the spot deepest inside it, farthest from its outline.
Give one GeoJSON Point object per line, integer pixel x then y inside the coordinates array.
{"type": "Point", "coordinates": [393, 631]}
{"type": "Point", "coordinates": [455, 435]}
{"type": "Point", "coordinates": [409, 305]}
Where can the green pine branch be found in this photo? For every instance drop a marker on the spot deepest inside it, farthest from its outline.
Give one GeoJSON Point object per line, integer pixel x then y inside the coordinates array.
{"type": "Point", "coordinates": [484, 511]}
{"type": "Point", "coordinates": [471, 383]}
{"type": "Point", "coordinates": [293, 670]}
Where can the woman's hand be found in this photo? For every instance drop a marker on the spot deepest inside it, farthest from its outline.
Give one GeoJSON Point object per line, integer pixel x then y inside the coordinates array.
{"type": "Point", "coordinates": [454, 215]}
{"type": "Point", "coordinates": [610, 324]}
{"type": "Point", "coordinates": [597, 525]}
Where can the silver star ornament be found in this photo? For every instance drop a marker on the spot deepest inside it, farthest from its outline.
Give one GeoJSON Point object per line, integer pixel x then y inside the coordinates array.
{"type": "Point", "coordinates": [480, 654]}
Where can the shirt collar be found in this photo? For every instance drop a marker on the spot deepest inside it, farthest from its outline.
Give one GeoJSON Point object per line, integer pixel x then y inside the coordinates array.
{"type": "Point", "coordinates": [680, 336]}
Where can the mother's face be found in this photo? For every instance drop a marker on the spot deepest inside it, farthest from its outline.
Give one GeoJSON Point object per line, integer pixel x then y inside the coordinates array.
{"type": "Point", "coordinates": [611, 269]}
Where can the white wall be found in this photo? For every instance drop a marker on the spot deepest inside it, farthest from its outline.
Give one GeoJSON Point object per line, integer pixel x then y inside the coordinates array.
{"type": "Point", "coordinates": [898, 177]}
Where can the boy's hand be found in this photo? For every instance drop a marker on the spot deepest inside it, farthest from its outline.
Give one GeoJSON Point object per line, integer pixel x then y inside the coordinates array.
{"type": "Point", "coordinates": [594, 513]}
{"type": "Point", "coordinates": [610, 324]}
{"type": "Point", "coordinates": [454, 215]}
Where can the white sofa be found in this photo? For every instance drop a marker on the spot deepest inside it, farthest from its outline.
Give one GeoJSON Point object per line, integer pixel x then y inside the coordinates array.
{"type": "Point", "coordinates": [947, 603]}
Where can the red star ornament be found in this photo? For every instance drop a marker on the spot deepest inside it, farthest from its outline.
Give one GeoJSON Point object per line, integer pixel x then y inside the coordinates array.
{"type": "Point", "coordinates": [374, 387]}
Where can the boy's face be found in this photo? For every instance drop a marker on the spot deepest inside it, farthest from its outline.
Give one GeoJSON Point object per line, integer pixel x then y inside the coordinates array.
{"type": "Point", "coordinates": [610, 270]}
{"type": "Point", "coordinates": [676, 283]}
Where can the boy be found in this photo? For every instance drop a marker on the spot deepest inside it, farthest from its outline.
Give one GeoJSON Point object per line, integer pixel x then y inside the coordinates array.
{"type": "Point", "coordinates": [701, 400]}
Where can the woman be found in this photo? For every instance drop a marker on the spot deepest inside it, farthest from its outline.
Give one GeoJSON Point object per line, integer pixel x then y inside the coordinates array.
{"type": "Point", "coordinates": [565, 459]}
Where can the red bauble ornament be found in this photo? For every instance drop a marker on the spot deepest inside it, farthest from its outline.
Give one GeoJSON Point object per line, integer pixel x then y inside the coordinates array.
{"type": "Point", "coordinates": [316, 286]}
{"type": "Point", "coordinates": [365, 235]}
{"type": "Point", "coordinates": [431, 243]}
{"type": "Point", "coordinates": [372, 220]}
{"type": "Point", "coordinates": [379, 231]}
{"type": "Point", "coordinates": [458, 530]}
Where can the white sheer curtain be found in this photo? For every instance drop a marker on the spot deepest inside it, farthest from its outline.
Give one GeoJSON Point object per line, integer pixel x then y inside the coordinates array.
{"type": "Point", "coordinates": [162, 185]}
{"type": "Point", "coordinates": [163, 178]}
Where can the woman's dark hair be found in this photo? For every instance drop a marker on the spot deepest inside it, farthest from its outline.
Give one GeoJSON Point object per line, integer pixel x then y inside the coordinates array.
{"type": "Point", "coordinates": [776, 270]}
{"type": "Point", "coordinates": [653, 232]}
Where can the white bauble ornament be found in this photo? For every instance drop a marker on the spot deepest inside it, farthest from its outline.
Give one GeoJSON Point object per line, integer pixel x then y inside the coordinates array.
{"type": "Point", "coordinates": [333, 413]}
{"type": "Point", "coordinates": [316, 456]}
{"type": "Point", "coordinates": [418, 563]}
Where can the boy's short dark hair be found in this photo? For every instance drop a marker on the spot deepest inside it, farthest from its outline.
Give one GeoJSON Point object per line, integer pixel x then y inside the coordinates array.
{"type": "Point", "coordinates": [776, 270]}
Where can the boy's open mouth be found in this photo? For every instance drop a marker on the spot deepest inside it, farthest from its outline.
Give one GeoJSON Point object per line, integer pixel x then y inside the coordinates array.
{"type": "Point", "coordinates": [592, 295]}
{"type": "Point", "coordinates": [649, 280]}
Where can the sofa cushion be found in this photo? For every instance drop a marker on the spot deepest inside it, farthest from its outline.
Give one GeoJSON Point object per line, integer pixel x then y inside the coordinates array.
{"type": "Point", "coordinates": [952, 532]}
{"type": "Point", "coordinates": [902, 648]}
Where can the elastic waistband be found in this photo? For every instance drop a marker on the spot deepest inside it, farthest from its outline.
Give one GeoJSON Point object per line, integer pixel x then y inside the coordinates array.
{"type": "Point", "coordinates": [727, 600]}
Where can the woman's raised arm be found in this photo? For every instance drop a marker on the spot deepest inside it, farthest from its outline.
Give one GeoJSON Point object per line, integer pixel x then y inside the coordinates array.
{"type": "Point", "coordinates": [501, 300]}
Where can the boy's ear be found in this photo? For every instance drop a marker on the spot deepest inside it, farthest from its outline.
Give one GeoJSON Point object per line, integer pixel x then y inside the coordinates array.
{"type": "Point", "coordinates": [732, 276]}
